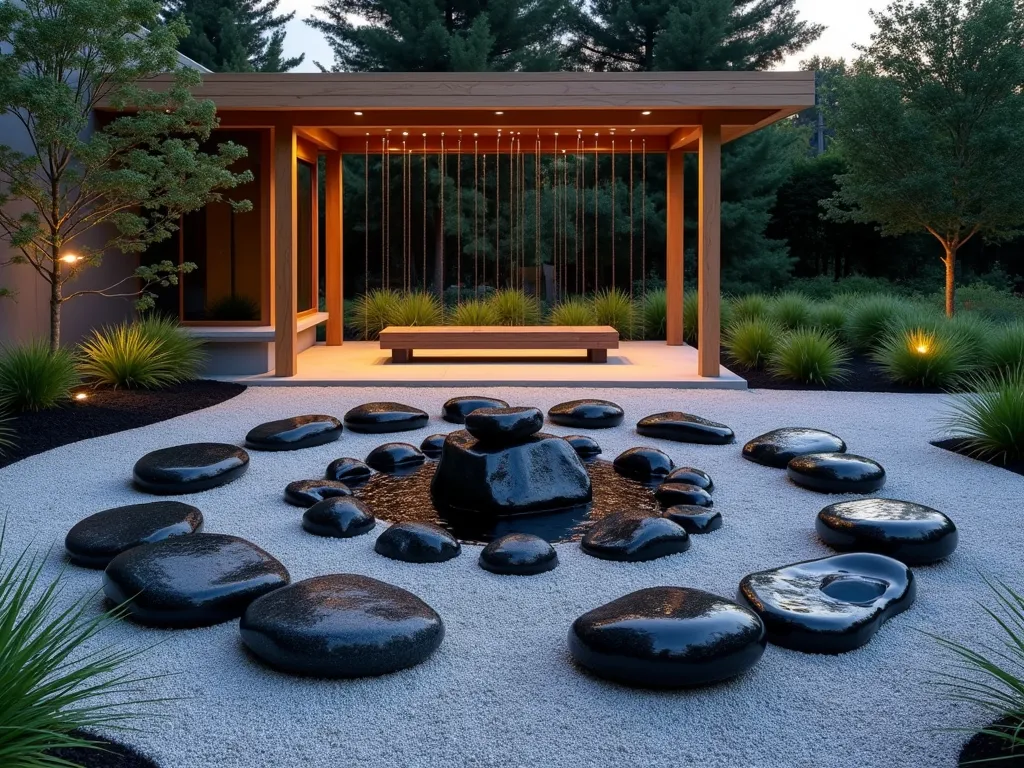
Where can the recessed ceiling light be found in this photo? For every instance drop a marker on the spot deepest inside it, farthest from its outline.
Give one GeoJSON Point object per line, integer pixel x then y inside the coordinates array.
{"type": "Point", "coordinates": [499, 112]}
{"type": "Point", "coordinates": [405, 133]}
{"type": "Point", "coordinates": [646, 112]}
{"type": "Point", "coordinates": [632, 130]}
{"type": "Point", "coordinates": [358, 114]}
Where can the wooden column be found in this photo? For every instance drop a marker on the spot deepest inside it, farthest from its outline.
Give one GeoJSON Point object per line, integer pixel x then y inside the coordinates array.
{"type": "Point", "coordinates": [334, 250]}
{"type": "Point", "coordinates": [286, 330]}
{"type": "Point", "coordinates": [674, 248]}
{"type": "Point", "coordinates": [709, 279]}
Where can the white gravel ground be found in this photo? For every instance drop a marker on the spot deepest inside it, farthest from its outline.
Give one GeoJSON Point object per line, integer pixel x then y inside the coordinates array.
{"type": "Point", "coordinates": [501, 690]}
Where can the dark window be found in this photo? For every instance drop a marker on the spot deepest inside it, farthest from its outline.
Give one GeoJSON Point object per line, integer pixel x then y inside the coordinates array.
{"type": "Point", "coordinates": [306, 287]}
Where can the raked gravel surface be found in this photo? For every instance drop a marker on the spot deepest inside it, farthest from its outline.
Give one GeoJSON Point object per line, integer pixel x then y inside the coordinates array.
{"type": "Point", "coordinates": [502, 690]}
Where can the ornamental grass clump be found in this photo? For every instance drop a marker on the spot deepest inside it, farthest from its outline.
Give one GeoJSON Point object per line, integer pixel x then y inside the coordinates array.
{"type": "Point", "coordinates": [752, 342]}
{"type": "Point", "coordinates": [473, 312]}
{"type": "Point", "coordinates": [791, 311]}
{"type": "Point", "coordinates": [418, 308]}
{"type": "Point", "coordinates": [871, 318]}
{"type": "Point", "coordinates": [830, 317]}
{"type": "Point", "coordinates": [613, 307]}
{"type": "Point", "coordinates": [32, 378]}
{"type": "Point", "coordinates": [988, 419]}
{"type": "Point", "coordinates": [515, 308]}
{"type": "Point", "coordinates": [753, 306]}
{"type": "Point", "coordinates": [374, 311]}
{"type": "Point", "coordinates": [184, 351]}
{"type": "Point", "coordinates": [810, 356]}
{"type": "Point", "coordinates": [691, 318]}
{"type": "Point", "coordinates": [149, 354]}
{"type": "Point", "coordinates": [1004, 349]}
{"type": "Point", "coordinates": [573, 311]}
{"type": "Point", "coordinates": [654, 312]}
{"type": "Point", "coordinates": [922, 358]}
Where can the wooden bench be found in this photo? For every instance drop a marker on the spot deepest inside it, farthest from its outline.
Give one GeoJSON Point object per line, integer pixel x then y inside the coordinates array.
{"type": "Point", "coordinates": [595, 339]}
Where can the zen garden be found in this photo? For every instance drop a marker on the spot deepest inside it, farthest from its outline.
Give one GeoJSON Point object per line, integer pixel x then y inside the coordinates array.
{"type": "Point", "coordinates": [555, 383]}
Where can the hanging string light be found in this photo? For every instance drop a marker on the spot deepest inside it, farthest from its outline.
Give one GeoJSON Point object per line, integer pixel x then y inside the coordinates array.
{"type": "Point", "coordinates": [424, 213]}
{"type": "Point", "coordinates": [366, 237]}
{"type": "Point", "coordinates": [476, 220]}
{"type": "Point", "coordinates": [597, 271]}
{"type": "Point", "coordinates": [405, 218]}
{"type": "Point", "coordinates": [554, 222]}
{"type": "Point", "coordinates": [384, 160]}
{"type": "Point", "coordinates": [458, 213]}
{"type": "Point", "coordinates": [581, 193]}
{"type": "Point", "coordinates": [511, 211]}
{"type": "Point", "coordinates": [442, 166]}
{"type": "Point", "coordinates": [565, 222]}
{"type": "Point", "coordinates": [643, 226]}
{"type": "Point", "coordinates": [497, 212]}
{"type": "Point", "coordinates": [613, 212]}
{"type": "Point", "coordinates": [631, 222]}
{"type": "Point", "coordinates": [483, 222]}
{"type": "Point", "coordinates": [538, 261]}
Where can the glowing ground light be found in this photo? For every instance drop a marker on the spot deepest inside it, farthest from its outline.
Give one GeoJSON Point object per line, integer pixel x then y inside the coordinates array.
{"type": "Point", "coordinates": [80, 396]}
{"type": "Point", "coordinates": [920, 342]}
{"type": "Point", "coordinates": [922, 349]}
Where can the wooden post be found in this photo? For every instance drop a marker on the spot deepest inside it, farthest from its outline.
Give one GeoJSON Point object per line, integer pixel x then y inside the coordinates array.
{"type": "Point", "coordinates": [286, 329]}
{"type": "Point", "coordinates": [709, 277]}
{"type": "Point", "coordinates": [674, 248]}
{"type": "Point", "coordinates": [334, 250]}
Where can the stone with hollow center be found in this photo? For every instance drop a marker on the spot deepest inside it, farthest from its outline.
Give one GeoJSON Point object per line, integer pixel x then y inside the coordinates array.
{"type": "Point", "coordinates": [190, 468]}
{"type": "Point", "coordinates": [778, 447]}
{"type": "Point", "coordinates": [836, 473]}
{"type": "Point", "coordinates": [98, 539]}
{"type": "Point", "coordinates": [685, 428]}
{"type": "Point", "coordinates": [294, 433]}
{"type": "Point", "coordinates": [504, 426]}
{"type": "Point", "coordinates": [586, 414]}
{"type": "Point", "coordinates": [911, 533]}
{"type": "Point", "coordinates": [306, 493]}
{"type": "Point", "coordinates": [340, 517]}
{"type": "Point", "coordinates": [518, 554]}
{"type": "Point", "coordinates": [378, 418]}
{"type": "Point", "coordinates": [644, 464]}
{"type": "Point", "coordinates": [457, 409]}
{"type": "Point", "coordinates": [625, 537]}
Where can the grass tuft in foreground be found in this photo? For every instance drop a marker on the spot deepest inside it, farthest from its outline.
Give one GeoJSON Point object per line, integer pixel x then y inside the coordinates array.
{"type": "Point", "coordinates": [573, 310]}
{"type": "Point", "coordinates": [989, 417]}
{"type": "Point", "coordinates": [32, 378]}
{"type": "Point", "coordinates": [811, 356]}
{"type": "Point", "coordinates": [751, 343]}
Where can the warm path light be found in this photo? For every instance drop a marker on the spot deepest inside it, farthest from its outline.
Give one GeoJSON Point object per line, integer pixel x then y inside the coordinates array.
{"type": "Point", "coordinates": [70, 258]}
{"type": "Point", "coordinates": [80, 396]}
{"type": "Point", "coordinates": [920, 341]}
{"type": "Point", "coordinates": [358, 114]}
{"type": "Point", "coordinates": [646, 112]}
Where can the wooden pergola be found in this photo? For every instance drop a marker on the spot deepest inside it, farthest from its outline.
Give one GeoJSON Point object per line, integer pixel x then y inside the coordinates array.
{"type": "Point", "coordinates": [333, 114]}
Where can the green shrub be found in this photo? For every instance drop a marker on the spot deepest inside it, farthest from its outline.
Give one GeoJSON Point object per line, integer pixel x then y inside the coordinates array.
{"type": "Point", "coordinates": [791, 311]}
{"type": "Point", "coordinates": [418, 308]}
{"type": "Point", "coordinates": [1005, 348]}
{"type": "Point", "coordinates": [655, 312]}
{"type": "Point", "coordinates": [753, 306]}
{"type": "Point", "coordinates": [871, 318]}
{"type": "Point", "coordinates": [124, 356]}
{"type": "Point", "coordinates": [989, 417]}
{"type": "Point", "coordinates": [233, 308]}
{"type": "Point", "coordinates": [573, 311]}
{"type": "Point", "coordinates": [809, 355]}
{"type": "Point", "coordinates": [375, 311]}
{"type": "Point", "coordinates": [473, 312]}
{"type": "Point", "coordinates": [752, 342]}
{"type": "Point", "coordinates": [515, 307]}
{"type": "Point", "coordinates": [987, 301]}
{"type": "Point", "coordinates": [183, 350]}
{"type": "Point", "coordinates": [32, 378]}
{"type": "Point", "coordinates": [922, 358]}
{"type": "Point", "coordinates": [830, 317]}
{"type": "Point", "coordinates": [613, 307]}
{"type": "Point", "coordinates": [974, 331]}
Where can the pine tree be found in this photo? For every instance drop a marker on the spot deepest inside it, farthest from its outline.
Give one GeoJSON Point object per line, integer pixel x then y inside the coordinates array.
{"type": "Point", "coordinates": [234, 35]}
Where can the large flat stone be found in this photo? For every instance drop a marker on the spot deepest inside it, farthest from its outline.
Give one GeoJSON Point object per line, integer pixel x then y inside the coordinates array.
{"type": "Point", "coordinates": [643, 464]}
{"type": "Point", "coordinates": [628, 538]}
{"type": "Point", "coordinates": [294, 433]}
{"type": "Point", "coordinates": [306, 493]}
{"type": "Point", "coordinates": [911, 533]}
{"type": "Point", "coordinates": [778, 447]}
{"type": "Point", "coordinates": [836, 473]}
{"type": "Point", "coordinates": [98, 539]}
{"type": "Point", "coordinates": [417, 543]}
{"type": "Point", "coordinates": [457, 409]}
{"type": "Point", "coordinates": [190, 468]}
{"type": "Point", "coordinates": [586, 414]}
{"type": "Point", "coordinates": [685, 428]}
{"type": "Point", "coordinates": [378, 418]}
{"type": "Point", "coordinates": [504, 426]}
{"type": "Point", "coordinates": [518, 554]}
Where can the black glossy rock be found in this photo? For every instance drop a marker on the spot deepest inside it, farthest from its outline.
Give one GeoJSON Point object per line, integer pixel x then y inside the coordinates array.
{"type": "Point", "coordinates": [628, 538]}
{"type": "Point", "coordinates": [541, 473]}
{"type": "Point", "coordinates": [836, 473]}
{"type": "Point", "coordinates": [340, 517]}
{"type": "Point", "coordinates": [518, 554]}
{"type": "Point", "coordinates": [586, 414]}
{"type": "Point", "coordinates": [417, 543]}
{"type": "Point", "coordinates": [306, 493]}
{"type": "Point", "coordinates": [432, 445]}
{"type": "Point", "coordinates": [645, 464]}
{"type": "Point", "coordinates": [684, 428]}
{"type": "Point", "coordinates": [392, 457]}
{"type": "Point", "coordinates": [96, 540]}
{"type": "Point", "coordinates": [691, 476]}
{"type": "Point", "coordinates": [341, 626]}
{"type": "Point", "coordinates": [668, 637]}
{"type": "Point", "coordinates": [694, 519]}
{"type": "Point", "coordinates": [586, 447]}
{"type": "Point", "coordinates": [190, 468]}
{"type": "Point", "coordinates": [831, 605]}
{"type": "Point", "coordinates": [349, 471]}
{"type": "Point", "coordinates": [294, 433]}
{"type": "Point", "coordinates": [671, 494]}
{"type": "Point", "coordinates": [377, 418]}
{"type": "Point", "coordinates": [504, 426]}
{"type": "Point", "coordinates": [911, 533]}
{"type": "Point", "coordinates": [191, 581]}
{"type": "Point", "coordinates": [457, 409]}
{"type": "Point", "coordinates": [778, 447]}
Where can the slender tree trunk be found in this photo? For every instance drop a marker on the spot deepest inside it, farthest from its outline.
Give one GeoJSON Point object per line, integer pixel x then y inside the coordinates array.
{"type": "Point", "coordinates": [56, 298]}
{"type": "Point", "coordinates": [950, 262]}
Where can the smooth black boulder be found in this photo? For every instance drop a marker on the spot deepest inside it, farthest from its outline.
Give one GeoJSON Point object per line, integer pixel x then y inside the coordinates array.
{"type": "Point", "coordinates": [294, 433]}
{"type": "Point", "coordinates": [694, 519]}
{"type": "Point", "coordinates": [778, 447]}
{"type": "Point", "coordinates": [628, 538]}
{"type": "Point", "coordinates": [432, 445]}
{"type": "Point", "coordinates": [349, 471]}
{"type": "Point", "coordinates": [668, 637]}
{"type": "Point", "coordinates": [519, 554]}
{"type": "Point", "coordinates": [670, 494]}
{"type": "Point", "coordinates": [836, 473]}
{"type": "Point", "coordinates": [98, 539]}
{"type": "Point", "coordinates": [586, 414]}
{"type": "Point", "coordinates": [644, 464]}
{"type": "Point", "coordinates": [341, 626]}
{"type": "Point", "coordinates": [911, 533]}
{"type": "Point", "coordinates": [541, 473]}
{"type": "Point", "coordinates": [340, 517]}
{"type": "Point", "coordinates": [377, 418]}
{"type": "Point", "coordinates": [457, 409]}
{"type": "Point", "coordinates": [306, 493]}
{"type": "Point", "coordinates": [392, 457]}
{"type": "Point", "coordinates": [585, 446]}
{"type": "Point", "coordinates": [417, 543]}
{"type": "Point", "coordinates": [190, 468]}
{"type": "Point", "coordinates": [831, 605]}
{"type": "Point", "coordinates": [504, 426]}
{"type": "Point", "coordinates": [691, 476]}
{"type": "Point", "coordinates": [191, 581]}
{"type": "Point", "coordinates": [685, 428]}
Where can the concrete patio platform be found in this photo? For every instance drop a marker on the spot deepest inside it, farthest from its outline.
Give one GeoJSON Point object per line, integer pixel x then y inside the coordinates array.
{"type": "Point", "coordinates": [642, 364]}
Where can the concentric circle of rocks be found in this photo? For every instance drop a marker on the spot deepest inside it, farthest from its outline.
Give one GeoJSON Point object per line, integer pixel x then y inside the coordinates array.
{"type": "Point", "coordinates": [190, 468]}
{"type": "Point", "coordinates": [457, 409]}
{"type": "Point", "coordinates": [685, 428]}
{"type": "Point", "coordinates": [627, 538]}
{"type": "Point", "coordinates": [341, 626]}
{"type": "Point", "coordinates": [911, 533]}
{"type": "Point", "coordinates": [351, 472]}
{"type": "Point", "coordinates": [585, 446]}
{"type": "Point", "coordinates": [778, 447]}
{"type": "Point", "coordinates": [432, 445]}
{"type": "Point", "coordinates": [519, 554]}
{"type": "Point", "coordinates": [691, 476]}
{"type": "Point", "coordinates": [294, 433]}
{"type": "Point", "coordinates": [694, 520]}
{"type": "Point", "coordinates": [417, 543]}
{"type": "Point", "coordinates": [394, 457]}
{"type": "Point", "coordinates": [306, 493]}
{"type": "Point", "coordinates": [836, 473]}
{"type": "Point", "coordinates": [668, 637]}
{"type": "Point", "coordinates": [504, 426]}
{"type": "Point", "coordinates": [831, 605]}
{"type": "Point", "coordinates": [191, 581]}
{"type": "Point", "coordinates": [340, 517]}
{"type": "Point", "coordinates": [377, 418]}
{"type": "Point", "coordinates": [587, 414]}
{"type": "Point", "coordinates": [671, 494]}
{"type": "Point", "coordinates": [98, 539]}
{"type": "Point", "coordinates": [644, 464]}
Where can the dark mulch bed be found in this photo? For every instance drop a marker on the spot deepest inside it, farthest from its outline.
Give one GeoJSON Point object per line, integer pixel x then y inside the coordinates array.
{"type": "Point", "coordinates": [112, 755]}
{"type": "Point", "coordinates": [111, 410]}
{"type": "Point", "coordinates": [982, 746]}
{"type": "Point", "coordinates": [957, 445]}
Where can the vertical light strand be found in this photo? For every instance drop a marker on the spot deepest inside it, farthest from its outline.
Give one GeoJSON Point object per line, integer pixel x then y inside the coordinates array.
{"type": "Point", "coordinates": [385, 159]}
{"type": "Point", "coordinates": [643, 226]}
{"type": "Point", "coordinates": [424, 213]}
{"type": "Point", "coordinates": [476, 216]}
{"type": "Point", "coordinates": [405, 217]}
{"type": "Point", "coordinates": [483, 220]}
{"type": "Point", "coordinates": [538, 261]}
{"type": "Point", "coordinates": [497, 212]}
{"type": "Point", "coordinates": [632, 222]}
{"type": "Point", "coordinates": [458, 214]}
{"type": "Point", "coordinates": [442, 169]}
{"type": "Point", "coordinates": [511, 211]}
{"type": "Point", "coordinates": [366, 238]}
{"type": "Point", "coordinates": [565, 222]}
{"type": "Point", "coordinates": [614, 233]}
{"type": "Point", "coordinates": [554, 223]}
{"type": "Point", "coordinates": [597, 269]}
{"type": "Point", "coordinates": [581, 193]}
